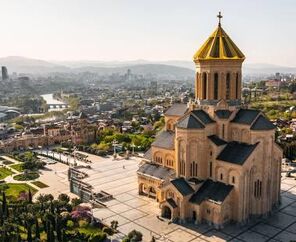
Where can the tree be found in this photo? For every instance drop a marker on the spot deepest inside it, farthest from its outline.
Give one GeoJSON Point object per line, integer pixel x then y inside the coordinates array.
{"type": "Point", "coordinates": [37, 232]}
{"type": "Point", "coordinates": [64, 198]}
{"type": "Point", "coordinates": [4, 205]}
{"type": "Point", "coordinates": [114, 224]}
{"type": "Point", "coordinates": [75, 202]}
{"type": "Point", "coordinates": [30, 196]}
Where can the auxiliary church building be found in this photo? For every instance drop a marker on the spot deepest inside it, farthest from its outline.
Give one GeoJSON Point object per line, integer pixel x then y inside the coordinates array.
{"type": "Point", "coordinates": [215, 160]}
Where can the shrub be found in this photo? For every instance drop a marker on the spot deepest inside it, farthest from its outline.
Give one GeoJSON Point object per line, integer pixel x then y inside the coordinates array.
{"type": "Point", "coordinates": [108, 230]}
{"type": "Point", "coordinates": [70, 224]}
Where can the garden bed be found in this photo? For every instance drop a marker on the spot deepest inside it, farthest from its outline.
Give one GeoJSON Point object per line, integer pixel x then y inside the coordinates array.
{"type": "Point", "coordinates": [26, 176]}
{"type": "Point", "coordinates": [13, 190]}
{"type": "Point", "coordinates": [39, 184]}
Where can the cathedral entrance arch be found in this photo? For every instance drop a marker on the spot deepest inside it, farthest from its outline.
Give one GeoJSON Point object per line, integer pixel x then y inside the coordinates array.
{"type": "Point", "coordinates": [166, 212]}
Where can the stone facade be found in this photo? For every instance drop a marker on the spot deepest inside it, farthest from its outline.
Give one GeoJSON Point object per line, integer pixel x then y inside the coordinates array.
{"type": "Point", "coordinates": [215, 160]}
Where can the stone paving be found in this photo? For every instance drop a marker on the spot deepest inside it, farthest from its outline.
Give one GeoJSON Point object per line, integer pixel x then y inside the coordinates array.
{"type": "Point", "coordinates": [119, 178]}
{"type": "Point", "coordinates": [139, 212]}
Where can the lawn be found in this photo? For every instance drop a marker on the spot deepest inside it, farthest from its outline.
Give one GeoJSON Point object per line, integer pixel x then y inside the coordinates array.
{"type": "Point", "coordinates": [39, 184]}
{"type": "Point", "coordinates": [12, 190]}
{"type": "Point", "coordinates": [18, 167]}
{"type": "Point", "coordinates": [4, 172]}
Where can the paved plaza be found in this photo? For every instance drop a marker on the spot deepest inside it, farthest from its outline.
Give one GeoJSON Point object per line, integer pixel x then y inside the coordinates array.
{"type": "Point", "coordinates": [119, 178]}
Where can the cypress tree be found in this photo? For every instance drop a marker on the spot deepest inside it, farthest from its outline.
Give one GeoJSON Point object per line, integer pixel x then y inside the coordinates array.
{"type": "Point", "coordinates": [37, 232]}
{"type": "Point", "coordinates": [4, 203]}
{"type": "Point", "coordinates": [30, 196]}
{"type": "Point", "coordinates": [29, 233]}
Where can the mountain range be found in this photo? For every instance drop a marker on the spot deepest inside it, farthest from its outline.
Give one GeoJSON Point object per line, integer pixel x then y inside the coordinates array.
{"type": "Point", "coordinates": [172, 68]}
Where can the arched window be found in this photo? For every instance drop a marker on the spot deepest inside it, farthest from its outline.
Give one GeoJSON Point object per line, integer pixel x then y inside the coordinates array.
{"type": "Point", "coordinates": [233, 179]}
{"type": "Point", "coordinates": [211, 168]}
{"type": "Point", "coordinates": [182, 168]}
{"type": "Point", "coordinates": [216, 78]}
{"type": "Point", "coordinates": [228, 86]}
{"type": "Point", "coordinates": [193, 168]}
{"type": "Point", "coordinates": [204, 85]}
{"type": "Point", "coordinates": [257, 188]}
{"type": "Point", "coordinates": [221, 176]}
{"type": "Point", "coordinates": [223, 130]}
{"type": "Point", "coordinates": [237, 86]}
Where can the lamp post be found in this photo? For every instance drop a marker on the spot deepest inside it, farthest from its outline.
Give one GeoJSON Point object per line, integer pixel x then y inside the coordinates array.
{"type": "Point", "coordinates": [133, 147]}
{"type": "Point", "coordinates": [114, 144]}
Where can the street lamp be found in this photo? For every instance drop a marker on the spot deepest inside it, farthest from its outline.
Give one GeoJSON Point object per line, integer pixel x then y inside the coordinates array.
{"type": "Point", "coordinates": [133, 146]}
{"type": "Point", "coordinates": [114, 144]}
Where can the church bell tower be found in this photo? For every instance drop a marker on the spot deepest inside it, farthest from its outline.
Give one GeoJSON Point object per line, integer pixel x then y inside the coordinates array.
{"type": "Point", "coordinates": [218, 69]}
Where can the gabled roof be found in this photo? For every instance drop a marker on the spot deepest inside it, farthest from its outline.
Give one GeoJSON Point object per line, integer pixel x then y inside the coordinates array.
{"type": "Point", "coordinates": [216, 140]}
{"type": "Point", "coordinates": [223, 114]}
{"type": "Point", "coordinates": [148, 154]}
{"type": "Point", "coordinates": [177, 109]}
{"type": "Point", "coordinates": [182, 186]}
{"type": "Point", "coordinates": [165, 139]}
{"type": "Point", "coordinates": [246, 116]}
{"type": "Point", "coordinates": [202, 116]}
{"type": "Point", "coordinates": [156, 171]}
{"type": "Point", "coordinates": [171, 202]}
{"type": "Point", "coordinates": [190, 122]}
{"type": "Point", "coordinates": [236, 153]}
{"type": "Point", "coordinates": [219, 46]}
{"type": "Point", "coordinates": [213, 191]}
{"type": "Point", "coordinates": [262, 123]}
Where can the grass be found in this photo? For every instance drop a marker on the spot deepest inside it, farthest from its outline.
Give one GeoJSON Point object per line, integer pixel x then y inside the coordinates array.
{"type": "Point", "coordinates": [4, 172]}
{"type": "Point", "coordinates": [39, 184]}
{"type": "Point", "coordinates": [18, 167]}
{"type": "Point", "coordinates": [12, 190]}
{"type": "Point", "coordinates": [26, 176]}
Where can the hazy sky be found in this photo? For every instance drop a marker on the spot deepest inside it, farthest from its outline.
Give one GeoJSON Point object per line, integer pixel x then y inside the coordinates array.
{"type": "Point", "coordinates": [265, 30]}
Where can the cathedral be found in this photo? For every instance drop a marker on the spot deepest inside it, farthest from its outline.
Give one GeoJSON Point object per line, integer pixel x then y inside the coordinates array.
{"type": "Point", "coordinates": [216, 160]}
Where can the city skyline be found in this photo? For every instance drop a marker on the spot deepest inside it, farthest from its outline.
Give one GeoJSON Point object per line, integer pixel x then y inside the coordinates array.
{"type": "Point", "coordinates": [155, 31]}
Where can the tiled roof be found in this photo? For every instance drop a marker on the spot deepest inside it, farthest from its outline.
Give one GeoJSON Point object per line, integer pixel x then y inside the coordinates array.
{"type": "Point", "coordinates": [190, 122]}
{"type": "Point", "coordinates": [237, 153]}
{"type": "Point", "coordinates": [223, 114]}
{"type": "Point", "coordinates": [165, 139]}
{"type": "Point", "coordinates": [203, 116]}
{"type": "Point", "coordinates": [262, 123]}
{"type": "Point", "coordinates": [216, 140]}
{"type": "Point", "coordinates": [157, 171]}
{"type": "Point", "coordinates": [213, 191]}
{"type": "Point", "coordinates": [148, 154]}
{"type": "Point", "coordinates": [182, 186]}
{"type": "Point", "coordinates": [177, 109]}
{"type": "Point", "coordinates": [245, 116]}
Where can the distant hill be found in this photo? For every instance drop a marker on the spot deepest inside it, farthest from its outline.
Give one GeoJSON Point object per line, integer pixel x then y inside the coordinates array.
{"type": "Point", "coordinates": [162, 69]}
{"type": "Point", "coordinates": [35, 66]}
{"type": "Point", "coordinates": [26, 65]}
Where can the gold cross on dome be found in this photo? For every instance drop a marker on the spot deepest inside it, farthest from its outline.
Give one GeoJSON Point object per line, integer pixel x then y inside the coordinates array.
{"type": "Point", "coordinates": [219, 16]}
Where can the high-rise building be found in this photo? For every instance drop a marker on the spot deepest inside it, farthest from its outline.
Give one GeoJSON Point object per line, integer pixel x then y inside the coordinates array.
{"type": "Point", "coordinates": [4, 73]}
{"type": "Point", "coordinates": [215, 160]}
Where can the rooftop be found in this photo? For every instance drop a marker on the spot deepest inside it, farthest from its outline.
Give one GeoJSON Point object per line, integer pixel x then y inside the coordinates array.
{"type": "Point", "coordinates": [213, 191]}
{"type": "Point", "coordinates": [155, 170]}
{"type": "Point", "coordinates": [177, 109]}
{"type": "Point", "coordinates": [219, 46]}
{"type": "Point", "coordinates": [236, 153]}
{"type": "Point", "coordinates": [165, 139]}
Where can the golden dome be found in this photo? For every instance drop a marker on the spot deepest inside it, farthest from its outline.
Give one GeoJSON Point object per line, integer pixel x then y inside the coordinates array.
{"type": "Point", "coordinates": [219, 46]}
